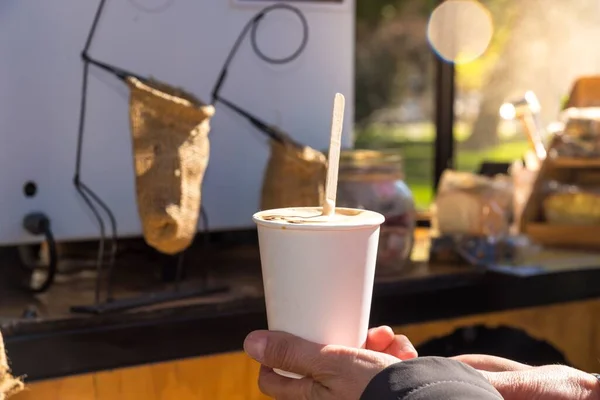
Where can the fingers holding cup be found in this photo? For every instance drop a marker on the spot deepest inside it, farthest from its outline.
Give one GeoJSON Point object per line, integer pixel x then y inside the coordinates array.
{"type": "Point", "coordinates": [401, 348]}
{"type": "Point", "coordinates": [382, 339]}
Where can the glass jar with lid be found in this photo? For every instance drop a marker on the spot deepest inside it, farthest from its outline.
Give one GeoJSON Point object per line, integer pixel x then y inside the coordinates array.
{"type": "Point", "coordinates": [374, 180]}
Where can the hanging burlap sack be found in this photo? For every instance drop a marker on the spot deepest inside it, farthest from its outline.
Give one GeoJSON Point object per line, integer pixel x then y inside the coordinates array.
{"type": "Point", "coordinates": [8, 384]}
{"type": "Point", "coordinates": [171, 149]}
{"type": "Point", "coordinates": [294, 177]}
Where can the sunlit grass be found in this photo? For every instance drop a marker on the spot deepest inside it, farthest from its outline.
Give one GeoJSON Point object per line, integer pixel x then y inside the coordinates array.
{"type": "Point", "coordinates": [376, 134]}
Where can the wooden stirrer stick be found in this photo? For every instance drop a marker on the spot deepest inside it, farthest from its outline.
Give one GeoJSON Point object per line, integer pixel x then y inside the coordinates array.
{"type": "Point", "coordinates": [335, 143]}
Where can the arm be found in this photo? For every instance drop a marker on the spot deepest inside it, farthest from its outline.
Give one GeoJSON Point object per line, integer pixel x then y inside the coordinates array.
{"type": "Point", "coordinates": [429, 378]}
{"type": "Point", "coordinates": [517, 381]}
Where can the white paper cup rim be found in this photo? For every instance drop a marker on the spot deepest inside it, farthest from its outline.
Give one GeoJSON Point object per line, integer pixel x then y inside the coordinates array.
{"type": "Point", "coordinates": [368, 219]}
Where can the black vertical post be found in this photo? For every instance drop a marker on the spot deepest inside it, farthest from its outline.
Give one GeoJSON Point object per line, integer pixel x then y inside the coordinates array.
{"type": "Point", "coordinates": [444, 118]}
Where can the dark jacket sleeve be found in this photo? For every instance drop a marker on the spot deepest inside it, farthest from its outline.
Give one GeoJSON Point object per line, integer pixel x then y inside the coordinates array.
{"type": "Point", "coordinates": [426, 378]}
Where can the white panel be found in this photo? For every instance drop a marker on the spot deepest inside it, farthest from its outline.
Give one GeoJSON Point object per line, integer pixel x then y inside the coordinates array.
{"type": "Point", "coordinates": [185, 44]}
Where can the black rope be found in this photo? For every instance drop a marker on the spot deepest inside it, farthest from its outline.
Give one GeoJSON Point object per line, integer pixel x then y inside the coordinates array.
{"type": "Point", "coordinates": [181, 256]}
{"type": "Point", "coordinates": [205, 226]}
{"type": "Point", "coordinates": [252, 28]}
{"type": "Point", "coordinates": [206, 244]}
{"type": "Point", "coordinates": [179, 271]}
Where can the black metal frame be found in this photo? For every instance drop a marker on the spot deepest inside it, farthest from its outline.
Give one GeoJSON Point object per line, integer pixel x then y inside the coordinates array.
{"type": "Point", "coordinates": [444, 143]}
{"type": "Point", "coordinates": [444, 118]}
{"type": "Point", "coordinates": [96, 204]}
{"type": "Point", "coordinates": [444, 126]}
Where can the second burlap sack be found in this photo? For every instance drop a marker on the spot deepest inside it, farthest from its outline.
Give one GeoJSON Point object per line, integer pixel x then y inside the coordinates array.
{"type": "Point", "coordinates": [294, 177]}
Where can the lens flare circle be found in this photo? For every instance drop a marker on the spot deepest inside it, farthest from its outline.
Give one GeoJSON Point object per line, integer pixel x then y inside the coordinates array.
{"type": "Point", "coordinates": [460, 31]}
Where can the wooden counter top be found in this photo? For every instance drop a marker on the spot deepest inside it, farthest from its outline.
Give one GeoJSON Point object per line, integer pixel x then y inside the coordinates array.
{"type": "Point", "coordinates": [58, 343]}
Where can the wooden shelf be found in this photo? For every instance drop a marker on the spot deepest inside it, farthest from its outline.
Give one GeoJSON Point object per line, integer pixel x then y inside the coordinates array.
{"type": "Point", "coordinates": [568, 171]}
{"type": "Point", "coordinates": [572, 236]}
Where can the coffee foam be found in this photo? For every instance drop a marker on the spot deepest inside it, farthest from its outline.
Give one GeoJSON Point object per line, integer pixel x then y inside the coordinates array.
{"type": "Point", "coordinates": [297, 217]}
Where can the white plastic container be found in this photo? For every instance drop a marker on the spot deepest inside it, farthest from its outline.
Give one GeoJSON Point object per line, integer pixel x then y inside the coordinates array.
{"type": "Point", "coordinates": [318, 274]}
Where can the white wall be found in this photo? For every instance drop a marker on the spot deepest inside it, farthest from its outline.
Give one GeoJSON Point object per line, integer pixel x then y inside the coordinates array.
{"type": "Point", "coordinates": [185, 45]}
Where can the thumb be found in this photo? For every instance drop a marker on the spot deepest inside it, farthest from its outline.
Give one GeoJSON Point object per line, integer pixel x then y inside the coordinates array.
{"type": "Point", "coordinates": [283, 351]}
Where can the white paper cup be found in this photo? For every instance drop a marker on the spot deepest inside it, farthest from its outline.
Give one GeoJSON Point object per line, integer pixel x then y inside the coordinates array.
{"type": "Point", "coordinates": [318, 277]}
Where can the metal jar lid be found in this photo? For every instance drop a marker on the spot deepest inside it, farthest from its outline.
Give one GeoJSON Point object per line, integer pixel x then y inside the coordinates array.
{"type": "Point", "coordinates": [371, 165]}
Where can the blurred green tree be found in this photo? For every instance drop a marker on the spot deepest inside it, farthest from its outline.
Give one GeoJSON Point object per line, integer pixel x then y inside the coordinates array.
{"type": "Point", "coordinates": [391, 46]}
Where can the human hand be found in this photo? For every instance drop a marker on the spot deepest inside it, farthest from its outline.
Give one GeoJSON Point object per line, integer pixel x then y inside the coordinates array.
{"type": "Point", "coordinates": [331, 372]}
{"type": "Point", "coordinates": [516, 381]}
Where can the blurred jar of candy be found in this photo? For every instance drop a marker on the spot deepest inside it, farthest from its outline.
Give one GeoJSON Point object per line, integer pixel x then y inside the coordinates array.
{"type": "Point", "coordinates": [374, 180]}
